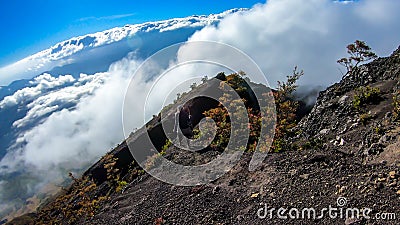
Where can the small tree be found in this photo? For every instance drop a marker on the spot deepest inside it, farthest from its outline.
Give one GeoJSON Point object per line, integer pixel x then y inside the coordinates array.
{"type": "Point", "coordinates": [359, 52]}
{"type": "Point", "coordinates": [286, 109]}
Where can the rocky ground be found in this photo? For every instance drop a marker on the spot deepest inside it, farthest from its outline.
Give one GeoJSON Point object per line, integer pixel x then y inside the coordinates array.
{"type": "Point", "coordinates": [308, 179]}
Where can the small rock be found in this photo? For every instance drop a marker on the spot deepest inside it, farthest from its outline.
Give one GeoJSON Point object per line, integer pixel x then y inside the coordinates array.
{"type": "Point", "coordinates": [255, 195]}
{"type": "Point", "coordinates": [350, 221]}
{"type": "Point", "coordinates": [343, 131]}
{"type": "Point", "coordinates": [216, 189]}
{"type": "Point", "coordinates": [398, 192]}
{"type": "Point", "coordinates": [392, 174]}
{"type": "Point", "coordinates": [324, 131]}
{"type": "Point", "coordinates": [341, 142]}
{"type": "Point", "coordinates": [115, 205]}
{"type": "Point", "coordinates": [342, 189]}
{"type": "Point", "coordinates": [354, 125]}
{"type": "Point", "coordinates": [388, 115]}
{"type": "Point", "coordinates": [293, 172]}
{"type": "Point", "coordinates": [343, 99]}
{"type": "Point", "coordinates": [305, 176]}
{"type": "Point", "coordinates": [381, 179]}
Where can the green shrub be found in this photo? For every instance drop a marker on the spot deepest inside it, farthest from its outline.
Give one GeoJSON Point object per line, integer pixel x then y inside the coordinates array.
{"type": "Point", "coordinates": [76, 203]}
{"type": "Point", "coordinates": [113, 175]}
{"type": "Point", "coordinates": [366, 95]}
{"type": "Point", "coordinates": [365, 117]}
{"type": "Point", "coordinates": [312, 143]}
{"type": "Point", "coordinates": [121, 185]}
{"type": "Point", "coordinates": [396, 106]}
{"type": "Point", "coordinates": [286, 109]}
{"type": "Point", "coordinates": [166, 146]}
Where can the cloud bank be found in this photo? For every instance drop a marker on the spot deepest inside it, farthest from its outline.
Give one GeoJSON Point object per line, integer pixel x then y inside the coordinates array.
{"type": "Point", "coordinates": [81, 48]}
{"type": "Point", "coordinates": [74, 136]}
{"type": "Point", "coordinates": [310, 34]}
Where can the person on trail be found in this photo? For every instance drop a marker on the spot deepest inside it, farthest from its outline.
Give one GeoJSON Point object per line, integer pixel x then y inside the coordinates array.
{"type": "Point", "coordinates": [183, 122]}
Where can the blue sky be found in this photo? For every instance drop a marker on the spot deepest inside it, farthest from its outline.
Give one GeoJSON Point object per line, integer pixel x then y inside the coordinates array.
{"type": "Point", "coordinates": [31, 26]}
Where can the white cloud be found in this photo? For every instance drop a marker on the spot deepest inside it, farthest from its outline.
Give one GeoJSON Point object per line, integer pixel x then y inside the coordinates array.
{"type": "Point", "coordinates": [311, 34]}
{"type": "Point", "coordinates": [71, 138]}
{"type": "Point", "coordinates": [64, 53]}
{"type": "Point", "coordinates": [378, 13]}
{"type": "Point", "coordinates": [54, 100]}
{"type": "Point", "coordinates": [43, 83]}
